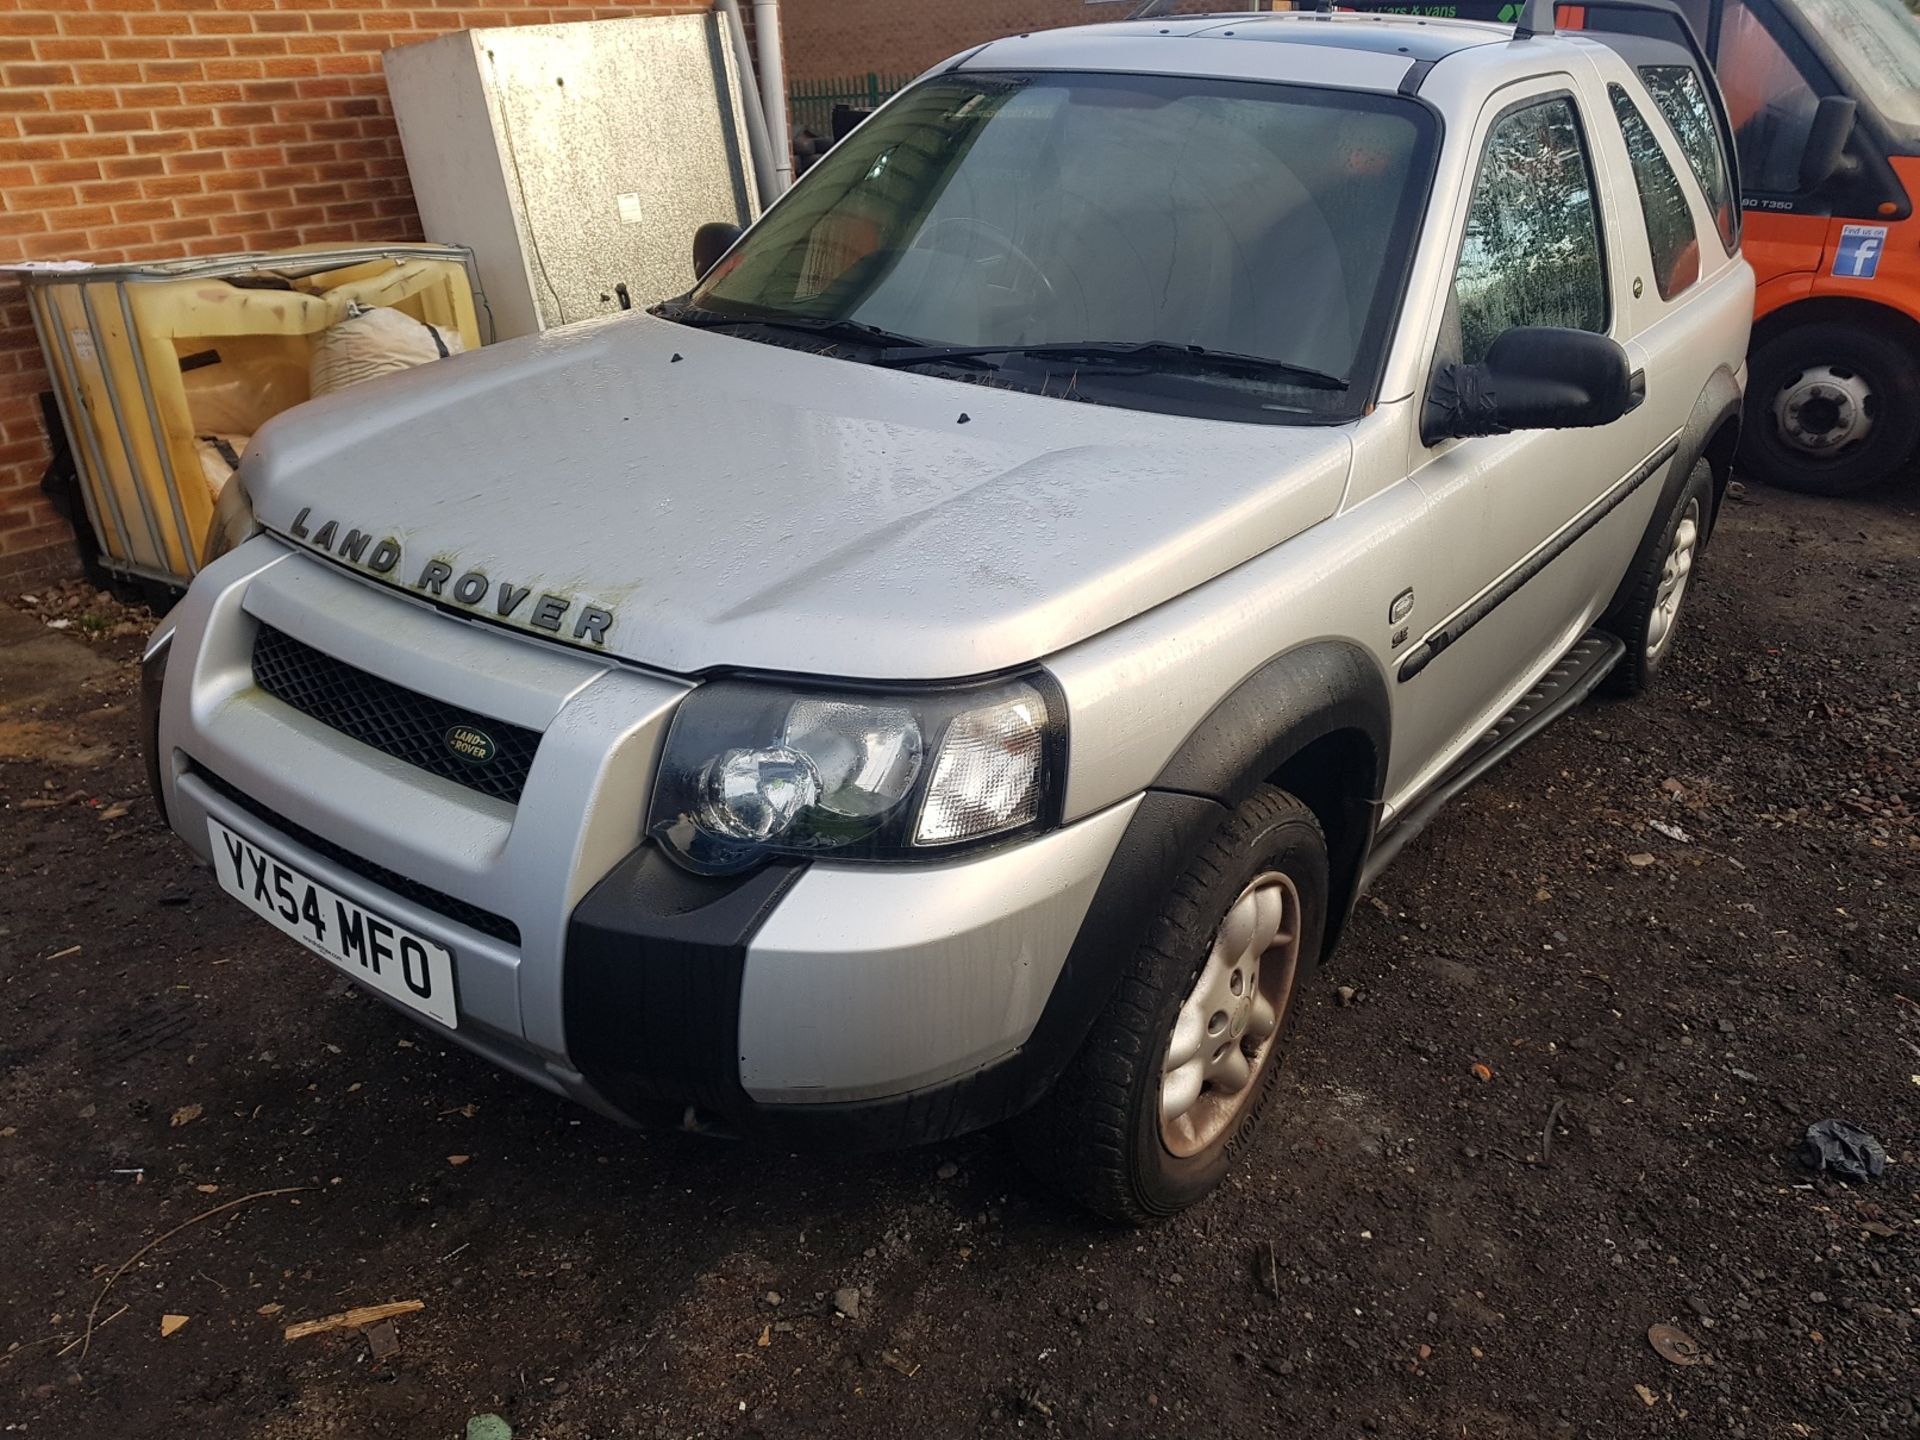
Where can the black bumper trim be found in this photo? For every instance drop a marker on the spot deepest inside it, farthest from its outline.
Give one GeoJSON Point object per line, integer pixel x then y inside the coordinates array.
{"type": "Point", "coordinates": [651, 984]}
{"type": "Point", "coordinates": [153, 678]}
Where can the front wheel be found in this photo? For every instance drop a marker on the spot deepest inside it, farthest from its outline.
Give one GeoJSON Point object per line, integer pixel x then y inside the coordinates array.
{"type": "Point", "coordinates": [1831, 409]}
{"type": "Point", "coordinates": [1180, 1064]}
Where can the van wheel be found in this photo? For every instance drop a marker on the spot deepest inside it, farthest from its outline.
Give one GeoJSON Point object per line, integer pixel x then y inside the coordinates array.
{"type": "Point", "coordinates": [1182, 1061]}
{"type": "Point", "coordinates": [1646, 617]}
{"type": "Point", "coordinates": [1831, 409]}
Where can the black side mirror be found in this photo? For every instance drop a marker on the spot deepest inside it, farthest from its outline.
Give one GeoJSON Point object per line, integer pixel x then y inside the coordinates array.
{"type": "Point", "coordinates": [1827, 140]}
{"type": "Point", "coordinates": [1535, 377]}
{"type": "Point", "coordinates": [710, 242]}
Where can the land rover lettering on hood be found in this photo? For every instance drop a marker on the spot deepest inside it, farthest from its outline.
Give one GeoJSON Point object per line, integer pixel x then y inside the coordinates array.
{"type": "Point", "coordinates": [502, 599]}
{"type": "Point", "coordinates": [959, 662]}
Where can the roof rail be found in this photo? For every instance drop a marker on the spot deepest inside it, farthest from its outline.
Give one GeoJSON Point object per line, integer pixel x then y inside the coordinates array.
{"type": "Point", "coordinates": [1535, 19]}
{"type": "Point", "coordinates": [1154, 9]}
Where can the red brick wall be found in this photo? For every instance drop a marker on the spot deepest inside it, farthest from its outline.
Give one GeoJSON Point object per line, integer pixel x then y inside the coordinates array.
{"type": "Point", "coordinates": [828, 39]}
{"type": "Point", "coordinates": [138, 128]}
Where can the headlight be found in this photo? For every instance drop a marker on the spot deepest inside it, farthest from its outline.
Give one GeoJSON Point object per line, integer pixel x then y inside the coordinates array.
{"type": "Point", "coordinates": [752, 771]}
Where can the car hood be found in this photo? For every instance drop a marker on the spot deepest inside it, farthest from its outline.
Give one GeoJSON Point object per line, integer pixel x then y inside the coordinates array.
{"type": "Point", "coordinates": [735, 504]}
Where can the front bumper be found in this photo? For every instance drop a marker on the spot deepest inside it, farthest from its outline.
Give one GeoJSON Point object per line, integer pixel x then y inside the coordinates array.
{"type": "Point", "coordinates": [845, 1003]}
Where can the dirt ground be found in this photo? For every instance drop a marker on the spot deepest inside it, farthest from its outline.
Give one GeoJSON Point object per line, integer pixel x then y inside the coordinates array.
{"type": "Point", "coordinates": [1691, 923]}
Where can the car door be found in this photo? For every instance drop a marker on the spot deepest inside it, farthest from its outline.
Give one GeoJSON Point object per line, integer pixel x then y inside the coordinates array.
{"type": "Point", "coordinates": [1530, 248]}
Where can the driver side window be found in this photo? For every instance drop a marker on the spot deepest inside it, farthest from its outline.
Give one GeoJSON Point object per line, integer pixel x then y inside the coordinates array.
{"type": "Point", "coordinates": [1768, 99]}
{"type": "Point", "coordinates": [1532, 253]}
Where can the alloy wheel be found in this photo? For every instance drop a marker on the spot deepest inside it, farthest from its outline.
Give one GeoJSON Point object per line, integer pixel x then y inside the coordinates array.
{"type": "Point", "coordinates": [1223, 1037]}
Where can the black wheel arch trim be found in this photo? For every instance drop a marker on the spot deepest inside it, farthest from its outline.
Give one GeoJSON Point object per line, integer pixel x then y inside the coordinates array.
{"type": "Point", "coordinates": [1294, 699]}
{"type": "Point", "coordinates": [1300, 704]}
{"type": "Point", "coordinates": [1712, 433]}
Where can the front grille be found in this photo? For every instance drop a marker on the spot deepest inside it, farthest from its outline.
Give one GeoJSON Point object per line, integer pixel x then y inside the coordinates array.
{"type": "Point", "coordinates": [400, 722]}
{"type": "Point", "coordinates": [425, 896]}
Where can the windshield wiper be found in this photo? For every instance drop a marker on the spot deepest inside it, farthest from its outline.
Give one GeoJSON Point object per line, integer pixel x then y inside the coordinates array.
{"type": "Point", "coordinates": [842, 331]}
{"type": "Point", "coordinates": [1149, 353]}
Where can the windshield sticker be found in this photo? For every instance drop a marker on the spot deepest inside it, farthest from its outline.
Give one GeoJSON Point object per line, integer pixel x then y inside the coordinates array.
{"type": "Point", "coordinates": [1858, 257]}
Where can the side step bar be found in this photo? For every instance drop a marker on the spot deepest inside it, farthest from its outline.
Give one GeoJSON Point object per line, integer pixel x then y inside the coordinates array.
{"type": "Point", "coordinates": [1572, 678]}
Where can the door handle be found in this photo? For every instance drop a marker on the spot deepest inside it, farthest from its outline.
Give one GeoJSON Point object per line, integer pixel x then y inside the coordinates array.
{"type": "Point", "coordinates": [1636, 390]}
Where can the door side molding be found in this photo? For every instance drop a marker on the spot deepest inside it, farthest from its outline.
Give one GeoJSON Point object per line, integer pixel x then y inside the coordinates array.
{"type": "Point", "coordinates": [1450, 630]}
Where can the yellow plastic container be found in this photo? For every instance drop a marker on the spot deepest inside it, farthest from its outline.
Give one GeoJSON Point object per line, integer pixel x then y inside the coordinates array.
{"type": "Point", "coordinates": [146, 358]}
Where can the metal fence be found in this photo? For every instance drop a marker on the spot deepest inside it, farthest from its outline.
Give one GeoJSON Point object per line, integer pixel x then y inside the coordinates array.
{"type": "Point", "coordinates": [811, 102]}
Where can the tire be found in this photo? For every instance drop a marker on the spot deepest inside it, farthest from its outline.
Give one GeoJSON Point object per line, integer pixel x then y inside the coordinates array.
{"type": "Point", "coordinates": [1647, 615]}
{"type": "Point", "coordinates": [1098, 1136]}
{"type": "Point", "coordinates": [1824, 379]}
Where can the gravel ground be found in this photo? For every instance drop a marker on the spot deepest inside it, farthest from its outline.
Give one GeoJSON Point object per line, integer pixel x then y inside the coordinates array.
{"type": "Point", "coordinates": [1683, 928]}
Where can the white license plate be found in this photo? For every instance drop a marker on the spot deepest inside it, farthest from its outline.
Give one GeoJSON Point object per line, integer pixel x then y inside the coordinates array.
{"type": "Point", "coordinates": [372, 949]}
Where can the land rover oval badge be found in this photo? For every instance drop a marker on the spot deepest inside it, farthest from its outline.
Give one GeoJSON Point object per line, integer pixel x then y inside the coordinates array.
{"type": "Point", "coordinates": [474, 746]}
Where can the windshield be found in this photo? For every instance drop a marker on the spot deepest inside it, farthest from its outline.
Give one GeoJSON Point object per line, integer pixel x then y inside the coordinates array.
{"type": "Point", "coordinates": [1035, 210]}
{"type": "Point", "coordinates": [1877, 42]}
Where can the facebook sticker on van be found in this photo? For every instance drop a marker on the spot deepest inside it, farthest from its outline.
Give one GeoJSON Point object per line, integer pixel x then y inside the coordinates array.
{"type": "Point", "coordinates": [1859, 254]}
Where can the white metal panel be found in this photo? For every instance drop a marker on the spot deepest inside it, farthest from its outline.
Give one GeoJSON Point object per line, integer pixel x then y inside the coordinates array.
{"type": "Point", "coordinates": [577, 160]}
{"type": "Point", "coordinates": [454, 161]}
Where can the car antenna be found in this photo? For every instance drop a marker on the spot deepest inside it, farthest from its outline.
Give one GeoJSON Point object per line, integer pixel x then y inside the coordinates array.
{"type": "Point", "coordinates": [1535, 19]}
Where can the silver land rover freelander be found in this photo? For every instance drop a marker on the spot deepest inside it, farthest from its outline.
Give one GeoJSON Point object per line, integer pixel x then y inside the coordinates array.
{"type": "Point", "coordinates": [960, 661]}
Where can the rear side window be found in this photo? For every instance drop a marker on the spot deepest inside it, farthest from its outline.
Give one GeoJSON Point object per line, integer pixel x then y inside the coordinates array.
{"type": "Point", "coordinates": [1532, 252]}
{"type": "Point", "coordinates": [1676, 246]}
{"type": "Point", "coordinates": [1677, 90]}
